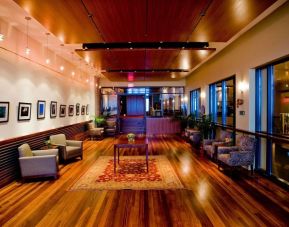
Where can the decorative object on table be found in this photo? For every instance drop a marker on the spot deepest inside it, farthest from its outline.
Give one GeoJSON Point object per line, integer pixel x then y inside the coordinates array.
{"type": "Point", "coordinates": [70, 110]}
{"type": "Point", "coordinates": [41, 106]}
{"type": "Point", "coordinates": [24, 111]}
{"type": "Point", "coordinates": [53, 109]}
{"type": "Point", "coordinates": [4, 112]}
{"type": "Point", "coordinates": [82, 110]}
{"type": "Point", "coordinates": [87, 109]}
{"type": "Point", "coordinates": [131, 137]}
{"type": "Point", "coordinates": [77, 109]}
{"type": "Point", "coordinates": [62, 111]}
{"type": "Point", "coordinates": [131, 174]}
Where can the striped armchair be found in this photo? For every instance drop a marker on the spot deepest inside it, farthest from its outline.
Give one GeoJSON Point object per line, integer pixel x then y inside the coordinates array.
{"type": "Point", "coordinates": [240, 155]}
{"type": "Point", "coordinates": [210, 145]}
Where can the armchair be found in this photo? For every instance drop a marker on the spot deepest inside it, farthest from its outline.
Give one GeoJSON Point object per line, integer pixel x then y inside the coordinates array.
{"type": "Point", "coordinates": [68, 148]}
{"type": "Point", "coordinates": [95, 132]}
{"type": "Point", "coordinates": [210, 145]}
{"type": "Point", "coordinates": [241, 155]}
{"type": "Point", "coordinates": [110, 128]}
{"type": "Point", "coordinates": [37, 163]}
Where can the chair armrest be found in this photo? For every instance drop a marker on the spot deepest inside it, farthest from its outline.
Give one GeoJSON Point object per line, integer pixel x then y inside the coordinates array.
{"type": "Point", "coordinates": [45, 152]}
{"type": "Point", "coordinates": [242, 155]}
{"type": "Point", "coordinates": [227, 150]}
{"type": "Point", "coordinates": [38, 165]}
{"type": "Point", "coordinates": [208, 141]}
{"type": "Point", "coordinates": [74, 143]}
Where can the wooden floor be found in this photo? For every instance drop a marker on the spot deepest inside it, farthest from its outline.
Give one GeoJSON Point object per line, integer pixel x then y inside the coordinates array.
{"type": "Point", "coordinates": [210, 197]}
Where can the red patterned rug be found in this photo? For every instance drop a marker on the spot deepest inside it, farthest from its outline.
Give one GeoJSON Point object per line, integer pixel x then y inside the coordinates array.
{"type": "Point", "coordinates": [131, 174]}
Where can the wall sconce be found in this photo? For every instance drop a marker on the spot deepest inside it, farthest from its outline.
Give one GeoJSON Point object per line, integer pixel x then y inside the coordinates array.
{"type": "Point", "coordinates": [240, 102]}
{"type": "Point", "coordinates": [186, 99]}
{"type": "Point", "coordinates": [203, 94]}
{"type": "Point", "coordinates": [243, 86]}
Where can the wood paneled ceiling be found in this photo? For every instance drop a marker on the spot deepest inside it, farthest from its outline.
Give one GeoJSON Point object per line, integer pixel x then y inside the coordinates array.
{"type": "Point", "coordinates": [114, 21]}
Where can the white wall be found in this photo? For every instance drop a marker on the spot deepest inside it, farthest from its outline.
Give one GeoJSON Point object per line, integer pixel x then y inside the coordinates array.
{"type": "Point", "coordinates": [267, 41]}
{"type": "Point", "coordinates": [22, 80]}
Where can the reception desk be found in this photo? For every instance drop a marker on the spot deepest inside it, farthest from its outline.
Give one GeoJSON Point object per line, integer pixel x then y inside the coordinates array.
{"type": "Point", "coordinates": [162, 125]}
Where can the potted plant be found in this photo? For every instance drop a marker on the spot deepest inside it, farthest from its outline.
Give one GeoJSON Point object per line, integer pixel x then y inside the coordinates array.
{"type": "Point", "coordinates": [100, 121]}
{"type": "Point", "coordinates": [131, 137]}
{"type": "Point", "coordinates": [206, 126]}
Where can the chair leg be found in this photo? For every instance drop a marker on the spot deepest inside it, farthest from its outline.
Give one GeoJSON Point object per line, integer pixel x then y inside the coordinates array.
{"type": "Point", "coordinates": [252, 170]}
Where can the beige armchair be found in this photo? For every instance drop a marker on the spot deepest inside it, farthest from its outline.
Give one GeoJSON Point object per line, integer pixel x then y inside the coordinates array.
{"type": "Point", "coordinates": [68, 148]}
{"type": "Point", "coordinates": [38, 163]}
{"type": "Point", "coordinates": [95, 132]}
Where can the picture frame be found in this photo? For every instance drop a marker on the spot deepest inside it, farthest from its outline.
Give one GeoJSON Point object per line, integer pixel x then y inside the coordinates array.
{"type": "Point", "coordinates": [24, 111]}
{"type": "Point", "coordinates": [77, 109]}
{"type": "Point", "coordinates": [82, 110]}
{"type": "Point", "coordinates": [4, 112]}
{"type": "Point", "coordinates": [87, 109]}
{"type": "Point", "coordinates": [53, 109]}
{"type": "Point", "coordinates": [70, 110]}
{"type": "Point", "coordinates": [62, 111]}
{"type": "Point", "coordinates": [41, 107]}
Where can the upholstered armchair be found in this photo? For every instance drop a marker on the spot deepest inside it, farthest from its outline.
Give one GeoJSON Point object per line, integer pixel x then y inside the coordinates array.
{"type": "Point", "coordinates": [37, 163]}
{"type": "Point", "coordinates": [240, 155]}
{"type": "Point", "coordinates": [68, 148]}
{"type": "Point", "coordinates": [111, 127]}
{"type": "Point", "coordinates": [95, 132]}
{"type": "Point", "coordinates": [210, 145]}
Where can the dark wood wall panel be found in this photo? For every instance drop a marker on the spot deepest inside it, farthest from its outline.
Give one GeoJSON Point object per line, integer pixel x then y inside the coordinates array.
{"type": "Point", "coordinates": [9, 167]}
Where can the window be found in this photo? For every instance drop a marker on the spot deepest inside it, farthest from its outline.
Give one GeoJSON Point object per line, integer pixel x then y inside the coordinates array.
{"type": "Point", "coordinates": [222, 101]}
{"type": "Point", "coordinates": [195, 101]}
{"type": "Point", "coordinates": [272, 117]}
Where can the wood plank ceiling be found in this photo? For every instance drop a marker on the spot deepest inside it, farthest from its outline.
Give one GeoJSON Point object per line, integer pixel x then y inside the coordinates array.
{"type": "Point", "coordinates": [115, 21]}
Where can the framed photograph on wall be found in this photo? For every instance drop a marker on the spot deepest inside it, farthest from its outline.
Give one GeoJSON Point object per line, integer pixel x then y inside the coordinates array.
{"type": "Point", "coordinates": [77, 109]}
{"type": "Point", "coordinates": [41, 109]}
{"type": "Point", "coordinates": [53, 109]}
{"type": "Point", "coordinates": [62, 111]}
{"type": "Point", "coordinates": [24, 111]}
{"type": "Point", "coordinates": [82, 110]}
{"type": "Point", "coordinates": [4, 112]}
{"type": "Point", "coordinates": [70, 110]}
{"type": "Point", "coordinates": [87, 109]}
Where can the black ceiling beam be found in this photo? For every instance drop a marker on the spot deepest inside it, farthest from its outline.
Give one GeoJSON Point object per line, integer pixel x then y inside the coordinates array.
{"type": "Point", "coordinates": [146, 70]}
{"type": "Point", "coordinates": [146, 45]}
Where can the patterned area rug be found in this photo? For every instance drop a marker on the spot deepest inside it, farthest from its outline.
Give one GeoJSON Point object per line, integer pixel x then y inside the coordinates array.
{"type": "Point", "coordinates": [130, 174]}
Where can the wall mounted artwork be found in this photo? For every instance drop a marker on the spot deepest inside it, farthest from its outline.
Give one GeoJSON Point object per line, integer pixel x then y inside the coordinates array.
{"type": "Point", "coordinates": [87, 109]}
{"type": "Point", "coordinates": [53, 109]}
{"type": "Point", "coordinates": [41, 106]}
{"type": "Point", "coordinates": [70, 110]}
{"type": "Point", "coordinates": [77, 109]}
{"type": "Point", "coordinates": [24, 111]}
{"type": "Point", "coordinates": [62, 111]}
{"type": "Point", "coordinates": [4, 112]}
{"type": "Point", "coordinates": [82, 110]}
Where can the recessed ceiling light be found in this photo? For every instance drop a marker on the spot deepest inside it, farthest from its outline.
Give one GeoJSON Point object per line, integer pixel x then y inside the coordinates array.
{"type": "Point", "coordinates": [61, 68]}
{"type": "Point", "coordinates": [1, 37]}
{"type": "Point", "coordinates": [47, 61]}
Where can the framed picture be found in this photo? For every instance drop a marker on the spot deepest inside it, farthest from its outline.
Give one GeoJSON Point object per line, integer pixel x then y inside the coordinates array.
{"type": "Point", "coordinates": [77, 109]}
{"type": "Point", "coordinates": [87, 109]}
{"type": "Point", "coordinates": [41, 109]}
{"type": "Point", "coordinates": [62, 111]}
{"type": "Point", "coordinates": [24, 111]}
{"type": "Point", "coordinates": [53, 109]}
{"type": "Point", "coordinates": [82, 110]}
{"type": "Point", "coordinates": [70, 110]}
{"type": "Point", "coordinates": [4, 112]}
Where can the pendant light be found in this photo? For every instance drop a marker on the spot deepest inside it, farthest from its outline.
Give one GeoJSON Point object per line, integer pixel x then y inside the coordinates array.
{"type": "Point", "coordinates": [47, 61]}
{"type": "Point", "coordinates": [27, 49]}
